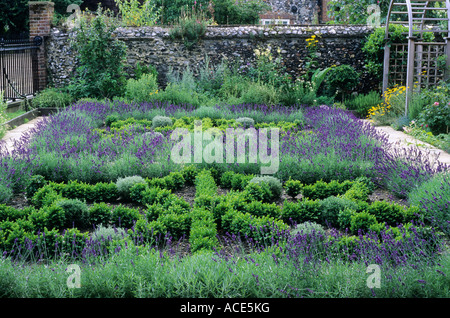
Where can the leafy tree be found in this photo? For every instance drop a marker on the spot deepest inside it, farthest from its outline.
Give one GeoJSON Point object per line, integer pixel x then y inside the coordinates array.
{"type": "Point", "coordinates": [101, 59]}
{"type": "Point", "coordinates": [171, 9]}
{"type": "Point", "coordinates": [355, 12]}
{"type": "Point", "coordinates": [238, 11]}
{"type": "Point", "coordinates": [13, 16]}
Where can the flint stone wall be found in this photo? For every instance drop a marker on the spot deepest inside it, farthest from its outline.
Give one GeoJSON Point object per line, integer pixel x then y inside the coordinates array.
{"type": "Point", "coordinates": [153, 45]}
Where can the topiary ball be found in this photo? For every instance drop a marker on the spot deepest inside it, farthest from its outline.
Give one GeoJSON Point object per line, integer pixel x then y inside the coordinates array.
{"type": "Point", "coordinates": [161, 121]}
{"type": "Point", "coordinates": [124, 185]}
{"type": "Point", "coordinates": [274, 184]}
{"type": "Point", "coordinates": [246, 122]}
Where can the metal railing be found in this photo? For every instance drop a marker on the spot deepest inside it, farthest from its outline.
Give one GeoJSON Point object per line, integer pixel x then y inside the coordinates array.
{"type": "Point", "coordinates": [19, 77]}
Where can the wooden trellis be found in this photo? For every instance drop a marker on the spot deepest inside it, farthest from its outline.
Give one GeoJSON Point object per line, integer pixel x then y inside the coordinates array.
{"type": "Point", "coordinates": [418, 63]}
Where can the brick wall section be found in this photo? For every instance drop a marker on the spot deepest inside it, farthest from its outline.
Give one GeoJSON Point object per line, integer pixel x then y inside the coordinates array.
{"type": "Point", "coordinates": [153, 46]}
{"type": "Point", "coordinates": [41, 16]}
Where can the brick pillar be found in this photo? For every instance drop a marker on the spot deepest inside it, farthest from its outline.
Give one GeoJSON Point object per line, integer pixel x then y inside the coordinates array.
{"type": "Point", "coordinates": [41, 16]}
{"type": "Point", "coordinates": [324, 9]}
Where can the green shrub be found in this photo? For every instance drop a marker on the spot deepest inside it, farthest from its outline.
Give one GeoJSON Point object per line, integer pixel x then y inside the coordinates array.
{"type": "Point", "coordinates": [154, 195]}
{"type": "Point", "coordinates": [158, 183]}
{"type": "Point", "coordinates": [76, 213]}
{"type": "Point", "coordinates": [40, 221]}
{"type": "Point", "coordinates": [249, 226]}
{"type": "Point", "coordinates": [209, 81]}
{"type": "Point", "coordinates": [302, 211]}
{"type": "Point", "coordinates": [147, 232]}
{"type": "Point", "coordinates": [332, 206]}
{"type": "Point", "coordinates": [436, 116]}
{"type": "Point", "coordinates": [125, 217]}
{"type": "Point", "coordinates": [308, 228]}
{"type": "Point", "coordinates": [274, 184]}
{"type": "Point", "coordinates": [239, 12]}
{"type": "Point", "coordinates": [293, 187]}
{"type": "Point", "coordinates": [347, 244]}
{"type": "Point", "coordinates": [102, 191]}
{"type": "Point", "coordinates": [177, 225]}
{"type": "Point", "coordinates": [55, 217]}
{"type": "Point", "coordinates": [202, 236]}
{"type": "Point", "coordinates": [141, 70]}
{"type": "Point", "coordinates": [142, 89]}
{"type": "Point", "coordinates": [100, 73]}
{"type": "Point", "coordinates": [391, 213]}
{"type": "Point", "coordinates": [137, 191]}
{"type": "Point", "coordinates": [362, 103]}
{"type": "Point", "coordinates": [161, 121]}
{"type": "Point", "coordinates": [373, 47]}
{"type": "Point", "coordinates": [176, 180]}
{"type": "Point", "coordinates": [177, 94]}
{"type": "Point", "coordinates": [344, 218]}
{"type": "Point", "coordinates": [44, 196]}
{"type": "Point", "coordinates": [246, 122]}
{"type": "Point", "coordinates": [205, 201]}
{"type": "Point", "coordinates": [100, 214]}
{"type": "Point", "coordinates": [341, 80]}
{"type": "Point", "coordinates": [240, 181]}
{"type": "Point", "coordinates": [226, 178]}
{"type": "Point", "coordinates": [322, 190]}
{"type": "Point", "coordinates": [358, 192]}
{"type": "Point", "coordinates": [9, 213]}
{"type": "Point", "coordinates": [258, 208]}
{"type": "Point", "coordinates": [362, 221]}
{"type": "Point", "coordinates": [72, 190]}
{"type": "Point", "coordinates": [111, 119]}
{"type": "Point", "coordinates": [258, 192]}
{"type": "Point", "coordinates": [154, 211]}
{"type": "Point", "coordinates": [35, 183]}
{"type": "Point", "coordinates": [189, 173]}
{"type": "Point", "coordinates": [107, 235]}
{"type": "Point", "coordinates": [203, 232]}
{"type": "Point", "coordinates": [205, 184]}
{"type": "Point", "coordinates": [260, 94]}
{"type": "Point", "coordinates": [190, 27]}
{"type": "Point", "coordinates": [15, 233]}
{"type": "Point", "coordinates": [124, 185]}
{"type": "Point", "coordinates": [52, 97]}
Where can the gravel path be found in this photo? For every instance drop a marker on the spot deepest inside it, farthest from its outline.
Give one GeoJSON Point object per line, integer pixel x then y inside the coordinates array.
{"type": "Point", "coordinates": [403, 140]}
{"type": "Point", "coordinates": [16, 133]}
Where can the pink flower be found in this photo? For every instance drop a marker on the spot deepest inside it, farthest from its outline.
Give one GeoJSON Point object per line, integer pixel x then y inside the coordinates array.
{"type": "Point", "coordinates": [436, 104]}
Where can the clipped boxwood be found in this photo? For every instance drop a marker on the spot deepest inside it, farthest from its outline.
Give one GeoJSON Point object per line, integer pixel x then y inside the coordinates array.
{"type": "Point", "coordinates": [274, 184]}
{"type": "Point", "coordinates": [76, 213]}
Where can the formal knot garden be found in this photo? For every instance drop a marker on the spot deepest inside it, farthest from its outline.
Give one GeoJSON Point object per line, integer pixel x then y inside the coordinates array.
{"type": "Point", "coordinates": [228, 179]}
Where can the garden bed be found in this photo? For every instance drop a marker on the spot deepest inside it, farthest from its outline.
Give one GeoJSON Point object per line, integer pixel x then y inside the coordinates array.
{"type": "Point", "coordinates": [338, 197]}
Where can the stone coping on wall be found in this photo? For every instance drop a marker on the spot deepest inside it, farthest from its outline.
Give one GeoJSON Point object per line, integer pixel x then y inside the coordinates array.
{"type": "Point", "coordinates": [259, 31]}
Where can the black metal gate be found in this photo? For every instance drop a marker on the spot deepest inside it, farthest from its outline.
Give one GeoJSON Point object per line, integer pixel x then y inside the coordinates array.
{"type": "Point", "coordinates": [19, 76]}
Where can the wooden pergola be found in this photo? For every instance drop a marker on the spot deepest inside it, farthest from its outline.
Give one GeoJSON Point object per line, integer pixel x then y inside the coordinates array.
{"type": "Point", "coordinates": [415, 64]}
